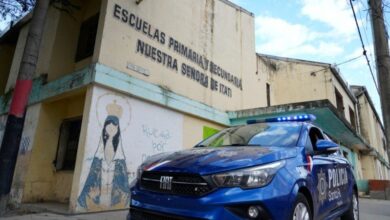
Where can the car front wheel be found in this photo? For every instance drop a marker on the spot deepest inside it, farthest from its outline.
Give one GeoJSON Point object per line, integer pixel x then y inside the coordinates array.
{"type": "Point", "coordinates": [301, 210]}
{"type": "Point", "coordinates": [353, 211]}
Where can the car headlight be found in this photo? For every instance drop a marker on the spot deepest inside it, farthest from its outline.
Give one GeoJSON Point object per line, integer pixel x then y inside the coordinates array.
{"type": "Point", "coordinates": [250, 177]}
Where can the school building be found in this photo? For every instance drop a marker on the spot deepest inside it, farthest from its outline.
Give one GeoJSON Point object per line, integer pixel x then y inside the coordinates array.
{"type": "Point", "coordinates": [142, 77]}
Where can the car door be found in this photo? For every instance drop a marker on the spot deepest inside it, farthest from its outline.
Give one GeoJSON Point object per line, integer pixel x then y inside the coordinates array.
{"type": "Point", "coordinates": [340, 181]}
{"type": "Point", "coordinates": [322, 164]}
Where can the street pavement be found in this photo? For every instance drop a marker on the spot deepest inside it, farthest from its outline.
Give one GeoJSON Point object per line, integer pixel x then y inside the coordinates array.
{"type": "Point", "coordinates": [374, 209]}
{"type": "Point", "coordinates": [369, 210]}
{"type": "Point", "coordinates": [116, 215]}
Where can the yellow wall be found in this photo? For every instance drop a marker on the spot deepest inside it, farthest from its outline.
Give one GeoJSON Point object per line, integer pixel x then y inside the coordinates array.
{"type": "Point", "coordinates": [6, 55]}
{"type": "Point", "coordinates": [347, 101]}
{"type": "Point", "coordinates": [201, 25]}
{"type": "Point", "coordinates": [358, 165]}
{"type": "Point", "coordinates": [295, 81]}
{"type": "Point", "coordinates": [17, 59]}
{"type": "Point", "coordinates": [43, 182]}
{"type": "Point", "coordinates": [193, 130]}
{"type": "Point", "coordinates": [369, 125]}
{"type": "Point", "coordinates": [59, 43]}
{"type": "Point", "coordinates": [292, 81]}
{"type": "Point", "coordinates": [369, 167]}
{"type": "Point", "coordinates": [66, 39]}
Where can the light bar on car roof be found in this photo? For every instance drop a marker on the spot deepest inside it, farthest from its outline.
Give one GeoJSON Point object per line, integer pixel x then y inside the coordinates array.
{"type": "Point", "coordinates": [302, 117]}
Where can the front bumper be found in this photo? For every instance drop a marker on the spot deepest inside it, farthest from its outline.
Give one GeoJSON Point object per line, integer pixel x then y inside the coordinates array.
{"type": "Point", "coordinates": [274, 200]}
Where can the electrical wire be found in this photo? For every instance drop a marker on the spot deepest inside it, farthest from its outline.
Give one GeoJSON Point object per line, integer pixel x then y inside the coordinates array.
{"type": "Point", "coordinates": [364, 49]}
{"type": "Point", "coordinates": [365, 29]}
{"type": "Point", "coordinates": [337, 64]}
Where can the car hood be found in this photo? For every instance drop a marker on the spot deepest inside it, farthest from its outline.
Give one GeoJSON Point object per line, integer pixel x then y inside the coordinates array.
{"type": "Point", "coordinates": [206, 161]}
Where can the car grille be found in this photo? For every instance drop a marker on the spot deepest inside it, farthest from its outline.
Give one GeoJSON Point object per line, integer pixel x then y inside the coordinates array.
{"type": "Point", "coordinates": [140, 214]}
{"type": "Point", "coordinates": [181, 184]}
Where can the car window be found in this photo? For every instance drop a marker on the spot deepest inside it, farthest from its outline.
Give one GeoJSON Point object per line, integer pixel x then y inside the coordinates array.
{"type": "Point", "coordinates": [309, 146]}
{"type": "Point", "coordinates": [315, 134]}
{"type": "Point", "coordinates": [260, 134]}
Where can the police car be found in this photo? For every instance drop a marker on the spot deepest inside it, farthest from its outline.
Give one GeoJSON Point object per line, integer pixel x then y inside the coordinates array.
{"type": "Point", "coordinates": [278, 168]}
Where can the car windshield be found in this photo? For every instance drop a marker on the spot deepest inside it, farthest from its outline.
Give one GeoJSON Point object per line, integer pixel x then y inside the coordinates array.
{"type": "Point", "coordinates": [261, 134]}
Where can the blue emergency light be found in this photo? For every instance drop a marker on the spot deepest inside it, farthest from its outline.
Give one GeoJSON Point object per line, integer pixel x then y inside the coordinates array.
{"type": "Point", "coordinates": [303, 117]}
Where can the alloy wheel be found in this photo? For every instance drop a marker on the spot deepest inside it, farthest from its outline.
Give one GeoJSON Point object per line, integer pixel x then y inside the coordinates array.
{"type": "Point", "coordinates": [301, 212]}
{"type": "Point", "coordinates": [355, 207]}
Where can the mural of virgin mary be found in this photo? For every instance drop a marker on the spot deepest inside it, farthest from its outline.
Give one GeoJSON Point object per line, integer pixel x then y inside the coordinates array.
{"type": "Point", "coordinates": [107, 183]}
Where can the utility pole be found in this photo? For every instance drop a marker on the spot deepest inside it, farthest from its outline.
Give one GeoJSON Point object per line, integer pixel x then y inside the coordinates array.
{"type": "Point", "coordinates": [382, 60]}
{"type": "Point", "coordinates": [14, 126]}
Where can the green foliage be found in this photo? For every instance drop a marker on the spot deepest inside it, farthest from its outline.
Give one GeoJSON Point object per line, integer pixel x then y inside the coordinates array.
{"type": "Point", "coordinates": [15, 8]}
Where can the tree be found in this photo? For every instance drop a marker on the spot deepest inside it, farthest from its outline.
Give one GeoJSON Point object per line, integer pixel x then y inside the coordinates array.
{"type": "Point", "coordinates": [14, 126]}
{"type": "Point", "coordinates": [15, 8]}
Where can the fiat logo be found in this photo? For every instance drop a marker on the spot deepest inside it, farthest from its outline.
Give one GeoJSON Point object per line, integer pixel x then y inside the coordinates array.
{"type": "Point", "coordinates": [166, 182]}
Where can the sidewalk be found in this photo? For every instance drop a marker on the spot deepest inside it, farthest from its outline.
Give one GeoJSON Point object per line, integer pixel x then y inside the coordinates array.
{"type": "Point", "coordinates": [55, 211]}
{"type": "Point", "coordinates": [49, 216]}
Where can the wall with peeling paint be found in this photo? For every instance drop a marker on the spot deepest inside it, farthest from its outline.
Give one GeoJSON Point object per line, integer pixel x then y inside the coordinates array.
{"type": "Point", "coordinates": [295, 81]}
{"type": "Point", "coordinates": [62, 50]}
{"type": "Point", "coordinates": [24, 156]}
{"type": "Point", "coordinates": [42, 181]}
{"type": "Point", "coordinates": [372, 131]}
{"type": "Point", "coordinates": [57, 52]}
{"type": "Point", "coordinates": [369, 125]}
{"type": "Point", "coordinates": [369, 167]}
{"type": "Point", "coordinates": [212, 28]}
{"type": "Point", "coordinates": [347, 101]}
{"type": "Point", "coordinates": [17, 58]}
{"type": "Point", "coordinates": [291, 81]}
{"type": "Point", "coordinates": [358, 165]}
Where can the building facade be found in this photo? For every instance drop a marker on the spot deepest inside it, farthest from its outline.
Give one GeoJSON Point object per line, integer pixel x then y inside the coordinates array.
{"type": "Point", "coordinates": [372, 130]}
{"type": "Point", "coordinates": [309, 81]}
{"type": "Point", "coordinates": [118, 81]}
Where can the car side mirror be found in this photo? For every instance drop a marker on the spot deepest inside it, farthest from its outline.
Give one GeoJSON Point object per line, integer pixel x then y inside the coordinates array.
{"type": "Point", "coordinates": [326, 146]}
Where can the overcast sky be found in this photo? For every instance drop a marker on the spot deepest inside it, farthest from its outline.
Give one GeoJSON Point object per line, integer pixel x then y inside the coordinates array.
{"type": "Point", "coordinates": [317, 30]}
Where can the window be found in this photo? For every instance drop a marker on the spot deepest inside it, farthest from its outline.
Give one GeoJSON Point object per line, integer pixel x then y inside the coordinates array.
{"type": "Point", "coordinates": [352, 118]}
{"type": "Point", "coordinates": [268, 95]}
{"type": "Point", "coordinates": [68, 144]}
{"type": "Point", "coordinates": [309, 146]}
{"type": "Point", "coordinates": [345, 155]}
{"type": "Point", "coordinates": [87, 37]}
{"type": "Point", "coordinates": [339, 102]}
{"type": "Point", "coordinates": [260, 134]}
{"type": "Point", "coordinates": [315, 135]}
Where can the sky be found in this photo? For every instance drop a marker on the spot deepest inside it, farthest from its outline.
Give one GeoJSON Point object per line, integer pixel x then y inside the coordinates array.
{"type": "Point", "coordinates": [317, 30]}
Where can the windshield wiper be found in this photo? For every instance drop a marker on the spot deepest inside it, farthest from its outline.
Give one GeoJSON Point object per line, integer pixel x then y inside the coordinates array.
{"type": "Point", "coordinates": [201, 145]}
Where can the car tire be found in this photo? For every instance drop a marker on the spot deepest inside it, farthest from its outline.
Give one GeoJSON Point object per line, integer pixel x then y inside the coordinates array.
{"type": "Point", "coordinates": [353, 211]}
{"type": "Point", "coordinates": [301, 209]}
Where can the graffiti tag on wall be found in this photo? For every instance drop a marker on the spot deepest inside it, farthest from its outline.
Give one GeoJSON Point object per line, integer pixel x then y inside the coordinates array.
{"type": "Point", "coordinates": [158, 138]}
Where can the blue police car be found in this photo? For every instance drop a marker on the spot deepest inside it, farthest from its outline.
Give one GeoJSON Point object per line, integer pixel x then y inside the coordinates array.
{"type": "Point", "coordinates": [279, 168]}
